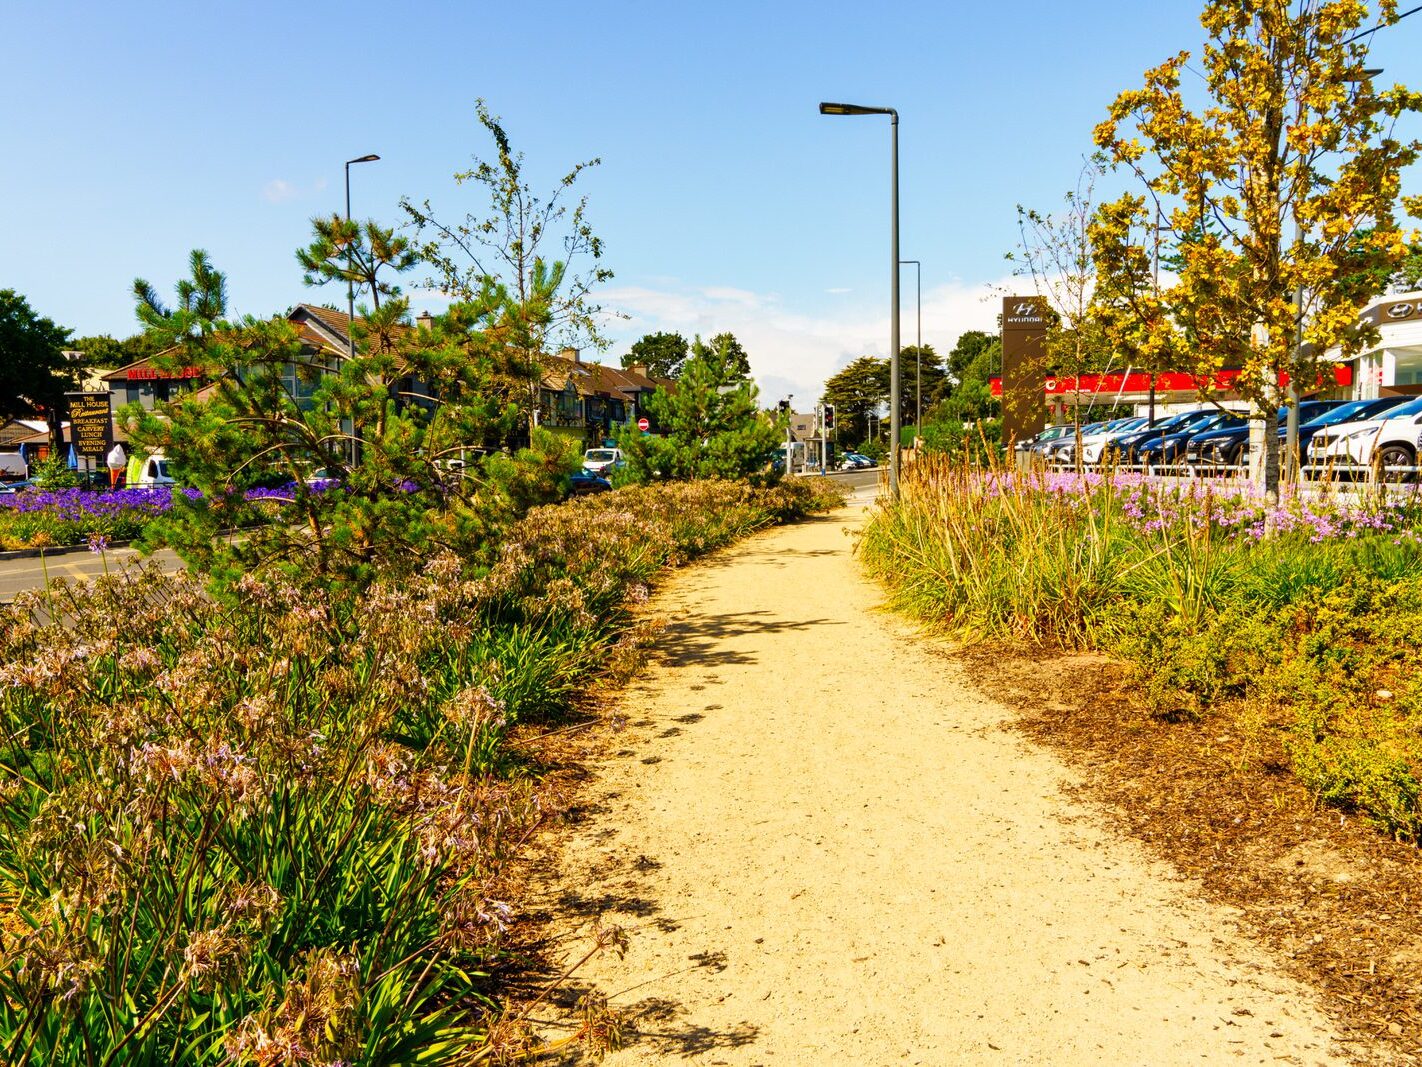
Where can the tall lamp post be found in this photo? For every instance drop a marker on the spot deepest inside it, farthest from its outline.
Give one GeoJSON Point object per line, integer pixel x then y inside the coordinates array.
{"type": "Point", "coordinates": [918, 348]}
{"type": "Point", "coordinates": [857, 109]}
{"type": "Point", "coordinates": [350, 282]}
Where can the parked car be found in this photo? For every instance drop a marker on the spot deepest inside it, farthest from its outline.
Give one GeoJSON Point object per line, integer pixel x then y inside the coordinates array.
{"type": "Point", "coordinates": [1228, 444]}
{"type": "Point", "coordinates": [7, 488]}
{"type": "Point", "coordinates": [153, 471]}
{"type": "Point", "coordinates": [1168, 450]}
{"type": "Point", "coordinates": [1094, 442]}
{"type": "Point", "coordinates": [850, 461]}
{"type": "Point", "coordinates": [583, 482]}
{"type": "Point", "coordinates": [1123, 447]}
{"type": "Point", "coordinates": [1393, 439]}
{"type": "Point", "coordinates": [1061, 449]}
{"type": "Point", "coordinates": [602, 460]}
{"type": "Point", "coordinates": [1354, 411]}
{"type": "Point", "coordinates": [1030, 444]}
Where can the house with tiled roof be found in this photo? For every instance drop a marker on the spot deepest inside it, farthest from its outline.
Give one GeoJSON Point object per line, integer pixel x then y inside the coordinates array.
{"type": "Point", "coordinates": [578, 399]}
{"type": "Point", "coordinates": [585, 400]}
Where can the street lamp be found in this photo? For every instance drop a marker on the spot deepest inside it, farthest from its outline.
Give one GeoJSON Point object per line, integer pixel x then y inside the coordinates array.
{"type": "Point", "coordinates": [350, 282]}
{"type": "Point", "coordinates": [918, 348]}
{"type": "Point", "coordinates": [858, 109]}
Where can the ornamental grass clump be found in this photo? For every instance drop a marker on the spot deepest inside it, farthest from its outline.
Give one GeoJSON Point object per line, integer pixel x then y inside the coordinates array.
{"type": "Point", "coordinates": [1297, 620]}
{"type": "Point", "coordinates": [273, 827]}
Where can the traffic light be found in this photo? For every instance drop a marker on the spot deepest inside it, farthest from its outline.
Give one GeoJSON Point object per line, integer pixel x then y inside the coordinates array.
{"type": "Point", "coordinates": [783, 407]}
{"type": "Point", "coordinates": [829, 417]}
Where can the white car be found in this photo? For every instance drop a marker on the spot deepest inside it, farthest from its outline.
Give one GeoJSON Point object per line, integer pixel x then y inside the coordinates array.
{"type": "Point", "coordinates": [1394, 441]}
{"type": "Point", "coordinates": [1092, 444]}
{"type": "Point", "coordinates": [600, 461]}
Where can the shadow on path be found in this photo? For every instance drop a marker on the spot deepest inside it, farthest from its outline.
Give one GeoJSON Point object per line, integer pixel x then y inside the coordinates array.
{"type": "Point", "coordinates": [693, 641]}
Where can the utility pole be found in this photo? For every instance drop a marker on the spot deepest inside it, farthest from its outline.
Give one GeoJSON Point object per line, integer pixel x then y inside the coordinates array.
{"type": "Point", "coordinates": [789, 435]}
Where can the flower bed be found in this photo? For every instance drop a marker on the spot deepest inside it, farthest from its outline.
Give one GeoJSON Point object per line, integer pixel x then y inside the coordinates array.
{"type": "Point", "coordinates": [59, 517]}
{"type": "Point", "coordinates": [273, 828]}
{"type": "Point", "coordinates": [1303, 618]}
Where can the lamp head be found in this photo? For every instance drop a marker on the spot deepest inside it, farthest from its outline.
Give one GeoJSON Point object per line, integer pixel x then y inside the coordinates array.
{"type": "Point", "coordinates": [853, 109]}
{"type": "Point", "coordinates": [363, 159]}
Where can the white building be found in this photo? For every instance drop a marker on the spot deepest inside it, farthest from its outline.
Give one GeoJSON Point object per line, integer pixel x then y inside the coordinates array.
{"type": "Point", "coordinates": [1393, 366]}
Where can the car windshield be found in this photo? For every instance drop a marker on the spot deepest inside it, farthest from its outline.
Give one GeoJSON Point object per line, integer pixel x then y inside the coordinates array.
{"type": "Point", "coordinates": [1358, 409]}
{"type": "Point", "coordinates": [1125, 424]}
{"type": "Point", "coordinates": [1412, 407]}
{"type": "Point", "coordinates": [160, 468]}
{"type": "Point", "coordinates": [599, 455]}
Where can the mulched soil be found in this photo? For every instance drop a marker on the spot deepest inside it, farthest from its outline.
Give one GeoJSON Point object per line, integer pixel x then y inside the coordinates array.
{"type": "Point", "coordinates": [1335, 898]}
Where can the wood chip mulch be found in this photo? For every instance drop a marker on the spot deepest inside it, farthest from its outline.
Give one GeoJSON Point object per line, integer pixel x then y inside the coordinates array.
{"type": "Point", "coordinates": [1334, 898]}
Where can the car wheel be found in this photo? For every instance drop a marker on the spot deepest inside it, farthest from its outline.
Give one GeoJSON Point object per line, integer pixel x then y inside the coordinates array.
{"type": "Point", "coordinates": [1392, 457]}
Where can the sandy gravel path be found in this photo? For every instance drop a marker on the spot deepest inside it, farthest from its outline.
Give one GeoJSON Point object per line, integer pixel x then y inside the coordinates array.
{"type": "Point", "coordinates": [828, 850]}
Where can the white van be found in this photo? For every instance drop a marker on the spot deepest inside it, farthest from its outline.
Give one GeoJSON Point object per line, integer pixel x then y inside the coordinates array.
{"type": "Point", "coordinates": [13, 466]}
{"type": "Point", "coordinates": [600, 461]}
{"type": "Point", "coordinates": [153, 471]}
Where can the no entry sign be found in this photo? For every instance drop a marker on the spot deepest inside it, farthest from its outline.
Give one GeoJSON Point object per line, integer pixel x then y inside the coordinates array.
{"type": "Point", "coordinates": [644, 424]}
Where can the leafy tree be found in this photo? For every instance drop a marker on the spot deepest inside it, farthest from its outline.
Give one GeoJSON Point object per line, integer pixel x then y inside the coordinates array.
{"type": "Point", "coordinates": [913, 365]}
{"type": "Point", "coordinates": [858, 391]}
{"type": "Point", "coordinates": [736, 357]}
{"type": "Point", "coordinates": [101, 350]}
{"type": "Point", "coordinates": [710, 425]}
{"type": "Point", "coordinates": [34, 373]}
{"type": "Point", "coordinates": [202, 302]}
{"type": "Point", "coordinates": [966, 350]}
{"type": "Point", "coordinates": [505, 253]}
{"type": "Point", "coordinates": [661, 353]}
{"type": "Point", "coordinates": [1295, 133]}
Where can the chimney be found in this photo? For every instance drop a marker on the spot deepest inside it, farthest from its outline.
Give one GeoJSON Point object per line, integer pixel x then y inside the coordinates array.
{"type": "Point", "coordinates": [424, 320]}
{"type": "Point", "coordinates": [639, 368]}
{"type": "Point", "coordinates": [571, 354]}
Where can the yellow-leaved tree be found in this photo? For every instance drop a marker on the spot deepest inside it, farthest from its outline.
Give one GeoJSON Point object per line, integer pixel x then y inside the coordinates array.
{"type": "Point", "coordinates": [1277, 200]}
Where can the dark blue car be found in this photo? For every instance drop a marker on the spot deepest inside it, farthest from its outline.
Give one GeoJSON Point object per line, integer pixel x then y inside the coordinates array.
{"type": "Point", "coordinates": [1125, 449]}
{"type": "Point", "coordinates": [1228, 446]}
{"type": "Point", "coordinates": [1170, 448]}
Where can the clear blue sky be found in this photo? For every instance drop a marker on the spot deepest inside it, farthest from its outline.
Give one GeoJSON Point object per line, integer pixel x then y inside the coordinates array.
{"type": "Point", "coordinates": [135, 132]}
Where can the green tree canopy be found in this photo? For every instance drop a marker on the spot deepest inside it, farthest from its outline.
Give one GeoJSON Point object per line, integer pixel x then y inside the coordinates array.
{"type": "Point", "coordinates": [935, 384]}
{"type": "Point", "coordinates": [709, 426]}
{"type": "Point", "coordinates": [661, 353]}
{"type": "Point", "coordinates": [736, 358]}
{"type": "Point", "coordinates": [34, 373]}
{"type": "Point", "coordinates": [858, 391]}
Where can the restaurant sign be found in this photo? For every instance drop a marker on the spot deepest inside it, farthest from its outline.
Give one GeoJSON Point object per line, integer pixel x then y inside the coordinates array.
{"type": "Point", "coordinates": [91, 429]}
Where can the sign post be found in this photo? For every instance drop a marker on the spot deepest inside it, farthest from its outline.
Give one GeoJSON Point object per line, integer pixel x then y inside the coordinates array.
{"type": "Point", "coordinates": [1024, 357]}
{"type": "Point", "coordinates": [91, 428]}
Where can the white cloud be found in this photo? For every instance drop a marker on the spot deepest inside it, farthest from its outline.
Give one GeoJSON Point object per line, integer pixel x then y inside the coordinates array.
{"type": "Point", "coordinates": [793, 351]}
{"type": "Point", "coordinates": [839, 291]}
{"type": "Point", "coordinates": [279, 191]}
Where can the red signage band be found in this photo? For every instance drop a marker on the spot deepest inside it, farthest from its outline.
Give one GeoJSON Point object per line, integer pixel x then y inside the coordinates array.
{"type": "Point", "coordinates": [150, 374]}
{"type": "Point", "coordinates": [1167, 382]}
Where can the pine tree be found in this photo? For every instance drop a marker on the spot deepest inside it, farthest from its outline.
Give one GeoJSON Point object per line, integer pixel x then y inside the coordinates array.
{"type": "Point", "coordinates": [710, 425]}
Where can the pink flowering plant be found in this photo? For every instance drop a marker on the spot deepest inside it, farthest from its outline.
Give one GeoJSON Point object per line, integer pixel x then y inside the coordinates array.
{"type": "Point", "coordinates": [274, 828]}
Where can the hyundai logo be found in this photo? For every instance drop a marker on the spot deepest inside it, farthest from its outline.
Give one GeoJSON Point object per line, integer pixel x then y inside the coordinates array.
{"type": "Point", "coordinates": [1025, 308]}
{"type": "Point", "coordinates": [1400, 311]}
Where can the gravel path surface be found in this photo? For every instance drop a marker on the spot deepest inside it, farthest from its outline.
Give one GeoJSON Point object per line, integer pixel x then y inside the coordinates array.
{"type": "Point", "coordinates": [827, 849]}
